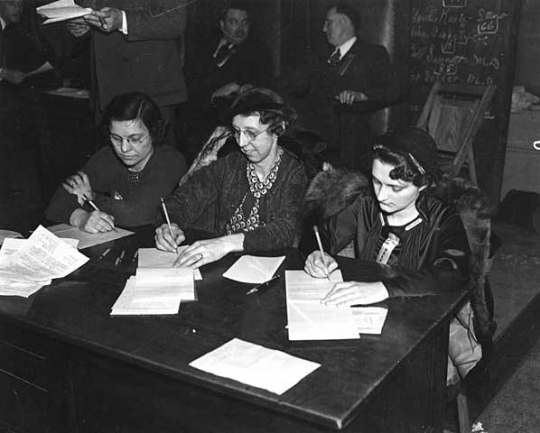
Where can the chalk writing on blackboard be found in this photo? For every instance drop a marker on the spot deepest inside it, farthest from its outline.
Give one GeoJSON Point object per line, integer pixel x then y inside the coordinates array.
{"type": "Point", "coordinates": [454, 42]}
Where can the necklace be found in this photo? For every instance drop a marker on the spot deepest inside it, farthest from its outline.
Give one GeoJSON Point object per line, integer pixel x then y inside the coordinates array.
{"type": "Point", "coordinates": [258, 188]}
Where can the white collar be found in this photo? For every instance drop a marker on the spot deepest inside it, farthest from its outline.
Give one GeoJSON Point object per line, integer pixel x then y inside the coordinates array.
{"type": "Point", "coordinates": [345, 47]}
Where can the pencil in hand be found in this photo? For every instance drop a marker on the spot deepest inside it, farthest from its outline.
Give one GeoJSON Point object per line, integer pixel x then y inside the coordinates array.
{"type": "Point", "coordinates": [316, 230]}
{"type": "Point", "coordinates": [91, 203]}
{"type": "Point", "coordinates": [168, 222]}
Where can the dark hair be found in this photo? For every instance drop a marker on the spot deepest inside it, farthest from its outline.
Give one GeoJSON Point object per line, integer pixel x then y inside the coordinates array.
{"type": "Point", "coordinates": [350, 12]}
{"type": "Point", "coordinates": [413, 153]}
{"type": "Point", "coordinates": [272, 108]}
{"type": "Point", "coordinates": [135, 106]}
{"type": "Point", "coordinates": [237, 6]}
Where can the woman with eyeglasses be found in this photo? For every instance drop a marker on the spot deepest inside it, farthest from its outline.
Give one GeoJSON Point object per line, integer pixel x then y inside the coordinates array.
{"type": "Point", "coordinates": [122, 183]}
{"type": "Point", "coordinates": [409, 217]}
{"type": "Point", "coordinates": [256, 192]}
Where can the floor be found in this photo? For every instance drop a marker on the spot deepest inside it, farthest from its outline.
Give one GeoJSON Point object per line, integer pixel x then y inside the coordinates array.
{"type": "Point", "coordinates": [514, 277]}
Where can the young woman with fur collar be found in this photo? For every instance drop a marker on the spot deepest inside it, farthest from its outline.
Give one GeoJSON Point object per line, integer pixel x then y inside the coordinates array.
{"type": "Point", "coordinates": [406, 216]}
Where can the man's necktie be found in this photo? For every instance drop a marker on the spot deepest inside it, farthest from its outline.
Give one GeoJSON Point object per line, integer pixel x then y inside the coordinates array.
{"type": "Point", "coordinates": [335, 57]}
{"type": "Point", "coordinates": [223, 53]}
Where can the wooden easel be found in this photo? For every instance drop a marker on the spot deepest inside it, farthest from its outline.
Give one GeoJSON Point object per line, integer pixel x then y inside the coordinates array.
{"type": "Point", "coordinates": [452, 115]}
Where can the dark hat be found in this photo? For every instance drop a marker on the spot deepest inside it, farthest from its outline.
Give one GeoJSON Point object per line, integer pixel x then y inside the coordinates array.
{"type": "Point", "coordinates": [415, 143]}
{"type": "Point", "coordinates": [258, 99]}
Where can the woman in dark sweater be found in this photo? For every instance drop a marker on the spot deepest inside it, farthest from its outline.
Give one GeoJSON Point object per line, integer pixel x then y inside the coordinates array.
{"type": "Point", "coordinates": [126, 180]}
{"type": "Point", "coordinates": [257, 193]}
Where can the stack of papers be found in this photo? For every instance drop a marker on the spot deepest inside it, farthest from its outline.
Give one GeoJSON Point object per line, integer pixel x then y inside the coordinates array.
{"type": "Point", "coordinates": [254, 269]}
{"type": "Point", "coordinates": [255, 365]}
{"type": "Point", "coordinates": [86, 239]}
{"type": "Point", "coordinates": [155, 291]}
{"type": "Point", "coordinates": [308, 319]}
{"type": "Point", "coordinates": [62, 10]}
{"type": "Point", "coordinates": [26, 265]}
{"type": "Point", "coordinates": [157, 287]}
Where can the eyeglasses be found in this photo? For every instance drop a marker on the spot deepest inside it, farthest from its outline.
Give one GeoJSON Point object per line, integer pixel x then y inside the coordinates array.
{"type": "Point", "coordinates": [250, 135]}
{"type": "Point", "coordinates": [133, 140]}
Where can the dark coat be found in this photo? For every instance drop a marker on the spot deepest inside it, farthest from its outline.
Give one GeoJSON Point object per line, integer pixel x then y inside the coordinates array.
{"type": "Point", "coordinates": [365, 68]}
{"type": "Point", "coordinates": [249, 63]}
{"type": "Point", "coordinates": [149, 59]}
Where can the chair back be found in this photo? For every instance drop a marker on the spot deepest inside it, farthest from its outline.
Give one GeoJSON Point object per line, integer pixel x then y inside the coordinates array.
{"type": "Point", "coordinates": [452, 115]}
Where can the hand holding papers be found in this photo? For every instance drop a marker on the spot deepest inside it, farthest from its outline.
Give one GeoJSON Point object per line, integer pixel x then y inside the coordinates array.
{"type": "Point", "coordinates": [62, 10]}
{"type": "Point", "coordinates": [253, 269]}
{"type": "Point", "coordinates": [255, 365]}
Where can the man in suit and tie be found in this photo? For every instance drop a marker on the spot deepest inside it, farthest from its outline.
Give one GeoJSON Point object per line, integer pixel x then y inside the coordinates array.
{"type": "Point", "coordinates": [345, 84]}
{"type": "Point", "coordinates": [218, 68]}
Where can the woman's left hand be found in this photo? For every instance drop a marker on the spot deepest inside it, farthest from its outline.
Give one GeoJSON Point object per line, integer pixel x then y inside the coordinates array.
{"type": "Point", "coordinates": [207, 251]}
{"type": "Point", "coordinates": [79, 184]}
{"type": "Point", "coordinates": [353, 293]}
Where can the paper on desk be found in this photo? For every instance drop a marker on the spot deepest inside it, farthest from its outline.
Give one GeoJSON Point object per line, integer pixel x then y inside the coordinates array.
{"type": "Point", "coordinates": [61, 10]}
{"type": "Point", "coordinates": [369, 320]}
{"type": "Point", "coordinates": [45, 256]}
{"type": "Point", "coordinates": [155, 291]}
{"type": "Point", "coordinates": [26, 265]}
{"type": "Point", "coordinates": [254, 269]}
{"type": "Point", "coordinates": [308, 319]}
{"type": "Point", "coordinates": [255, 365]}
{"type": "Point", "coordinates": [87, 239]}
{"type": "Point", "coordinates": [154, 258]}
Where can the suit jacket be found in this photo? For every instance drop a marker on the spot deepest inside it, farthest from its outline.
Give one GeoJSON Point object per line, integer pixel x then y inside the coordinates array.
{"type": "Point", "coordinates": [149, 58]}
{"type": "Point", "coordinates": [250, 62]}
{"type": "Point", "coordinates": [364, 68]}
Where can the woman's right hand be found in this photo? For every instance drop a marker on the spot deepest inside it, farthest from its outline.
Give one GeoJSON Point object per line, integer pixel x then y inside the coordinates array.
{"type": "Point", "coordinates": [92, 222]}
{"type": "Point", "coordinates": [315, 267]}
{"type": "Point", "coordinates": [166, 242]}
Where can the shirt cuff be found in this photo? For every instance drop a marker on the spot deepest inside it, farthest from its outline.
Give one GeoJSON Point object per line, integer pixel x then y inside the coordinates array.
{"type": "Point", "coordinates": [124, 28]}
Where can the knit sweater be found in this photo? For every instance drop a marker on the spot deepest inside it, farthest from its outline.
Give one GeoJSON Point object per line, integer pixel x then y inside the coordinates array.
{"type": "Point", "coordinates": [132, 198]}
{"type": "Point", "coordinates": [221, 186]}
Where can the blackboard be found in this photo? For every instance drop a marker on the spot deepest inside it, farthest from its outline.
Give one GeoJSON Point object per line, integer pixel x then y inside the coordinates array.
{"type": "Point", "coordinates": [470, 42]}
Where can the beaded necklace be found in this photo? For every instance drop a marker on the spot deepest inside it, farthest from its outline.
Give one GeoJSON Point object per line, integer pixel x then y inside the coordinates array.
{"type": "Point", "coordinates": [258, 188]}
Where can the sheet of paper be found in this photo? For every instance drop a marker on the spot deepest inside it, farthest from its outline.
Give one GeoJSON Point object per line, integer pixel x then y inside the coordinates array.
{"type": "Point", "coordinates": [154, 258]}
{"type": "Point", "coordinates": [62, 10]}
{"type": "Point", "coordinates": [308, 319]}
{"type": "Point", "coordinates": [254, 269]}
{"type": "Point", "coordinates": [45, 256]}
{"type": "Point", "coordinates": [255, 365]}
{"type": "Point", "coordinates": [369, 320]}
{"type": "Point", "coordinates": [155, 291]}
{"type": "Point", "coordinates": [87, 239]}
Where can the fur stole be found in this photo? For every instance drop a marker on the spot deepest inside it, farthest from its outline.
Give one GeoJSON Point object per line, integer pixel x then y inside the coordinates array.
{"type": "Point", "coordinates": [332, 190]}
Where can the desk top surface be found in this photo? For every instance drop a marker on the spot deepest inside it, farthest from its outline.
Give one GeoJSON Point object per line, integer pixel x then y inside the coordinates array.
{"type": "Point", "coordinates": [76, 310]}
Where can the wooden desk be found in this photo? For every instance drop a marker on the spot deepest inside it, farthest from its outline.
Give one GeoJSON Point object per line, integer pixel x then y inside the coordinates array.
{"type": "Point", "coordinates": [67, 366]}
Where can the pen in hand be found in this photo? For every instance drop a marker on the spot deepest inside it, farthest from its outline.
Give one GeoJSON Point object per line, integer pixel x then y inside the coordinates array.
{"type": "Point", "coordinates": [262, 285]}
{"type": "Point", "coordinates": [168, 221]}
{"type": "Point", "coordinates": [316, 230]}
